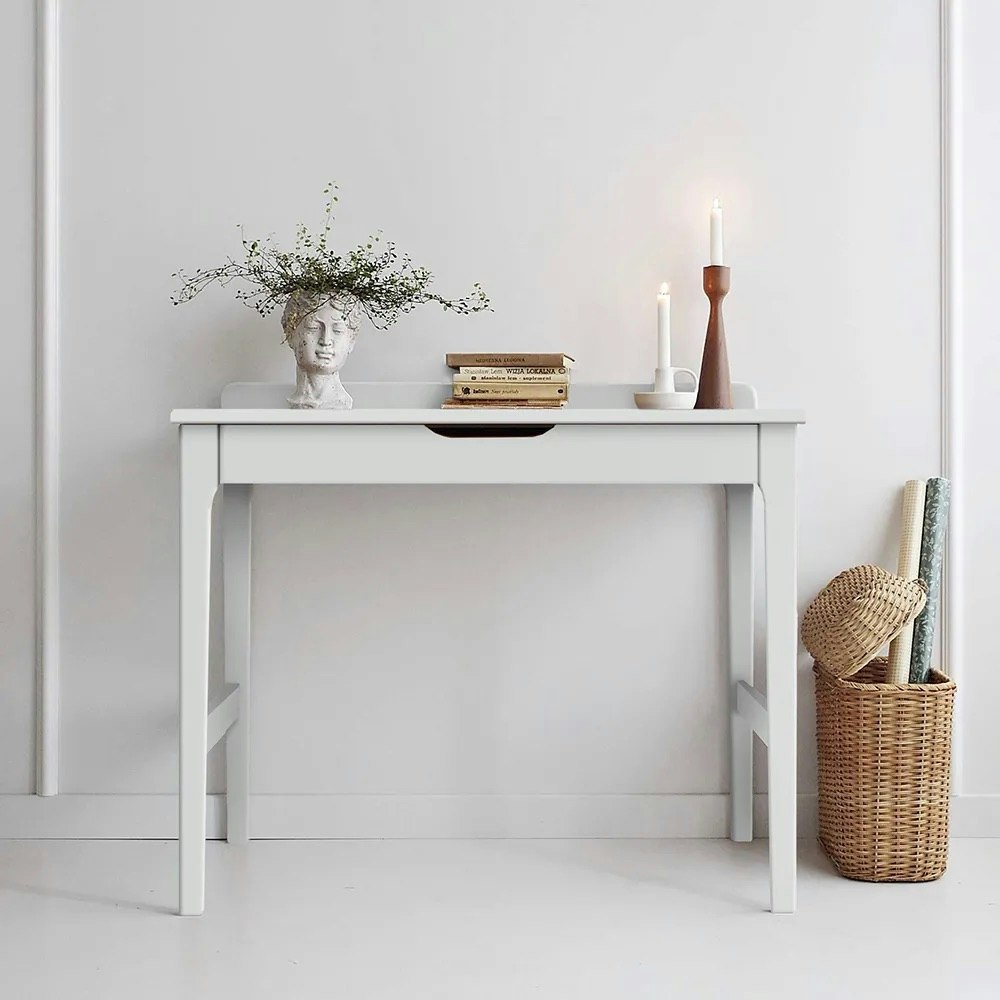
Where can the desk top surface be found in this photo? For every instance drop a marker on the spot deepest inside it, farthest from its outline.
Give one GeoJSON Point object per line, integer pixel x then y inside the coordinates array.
{"type": "Point", "coordinates": [420, 402]}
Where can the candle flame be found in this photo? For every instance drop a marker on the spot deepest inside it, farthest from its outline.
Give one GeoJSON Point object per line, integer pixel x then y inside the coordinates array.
{"type": "Point", "coordinates": [715, 204]}
{"type": "Point", "coordinates": [665, 288]}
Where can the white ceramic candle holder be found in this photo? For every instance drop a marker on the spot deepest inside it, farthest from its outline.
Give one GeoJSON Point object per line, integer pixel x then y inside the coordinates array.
{"type": "Point", "coordinates": [664, 395]}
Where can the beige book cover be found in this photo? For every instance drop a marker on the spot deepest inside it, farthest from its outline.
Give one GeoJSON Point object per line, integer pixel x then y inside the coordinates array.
{"type": "Point", "coordinates": [503, 404]}
{"type": "Point", "coordinates": [468, 373]}
{"type": "Point", "coordinates": [551, 360]}
{"type": "Point", "coordinates": [510, 390]}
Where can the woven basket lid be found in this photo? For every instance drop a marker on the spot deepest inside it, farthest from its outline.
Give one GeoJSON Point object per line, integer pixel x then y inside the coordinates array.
{"type": "Point", "coordinates": [856, 614]}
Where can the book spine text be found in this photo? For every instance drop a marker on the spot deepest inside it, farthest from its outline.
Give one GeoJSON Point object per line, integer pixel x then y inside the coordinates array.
{"type": "Point", "coordinates": [510, 390]}
{"type": "Point", "coordinates": [472, 374]}
{"type": "Point", "coordinates": [507, 360]}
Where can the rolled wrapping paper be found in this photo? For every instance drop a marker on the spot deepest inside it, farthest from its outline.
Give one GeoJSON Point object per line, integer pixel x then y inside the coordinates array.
{"type": "Point", "coordinates": [910, 534]}
{"type": "Point", "coordinates": [936, 507]}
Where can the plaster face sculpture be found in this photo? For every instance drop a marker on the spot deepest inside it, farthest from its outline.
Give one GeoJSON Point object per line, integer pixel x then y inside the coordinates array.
{"type": "Point", "coordinates": [322, 335]}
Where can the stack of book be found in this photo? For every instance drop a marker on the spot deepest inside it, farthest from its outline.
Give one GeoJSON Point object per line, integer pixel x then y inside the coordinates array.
{"type": "Point", "coordinates": [511, 380]}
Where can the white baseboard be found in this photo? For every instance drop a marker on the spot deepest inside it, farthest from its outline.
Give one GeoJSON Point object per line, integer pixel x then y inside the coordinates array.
{"type": "Point", "coordinates": [332, 817]}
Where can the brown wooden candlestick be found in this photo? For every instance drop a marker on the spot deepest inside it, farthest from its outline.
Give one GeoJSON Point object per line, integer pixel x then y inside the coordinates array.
{"type": "Point", "coordinates": [715, 388]}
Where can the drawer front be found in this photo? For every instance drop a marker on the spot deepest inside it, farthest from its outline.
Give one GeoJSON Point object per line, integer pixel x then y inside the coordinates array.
{"type": "Point", "coordinates": [412, 453]}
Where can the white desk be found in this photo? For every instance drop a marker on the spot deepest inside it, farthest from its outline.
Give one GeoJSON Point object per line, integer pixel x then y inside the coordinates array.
{"type": "Point", "coordinates": [398, 434]}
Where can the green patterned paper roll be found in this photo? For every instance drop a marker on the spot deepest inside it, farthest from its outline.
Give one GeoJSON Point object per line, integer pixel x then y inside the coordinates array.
{"type": "Point", "coordinates": [931, 554]}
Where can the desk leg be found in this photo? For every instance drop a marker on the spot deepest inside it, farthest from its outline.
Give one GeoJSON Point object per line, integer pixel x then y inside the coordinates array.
{"type": "Point", "coordinates": [236, 506]}
{"type": "Point", "coordinates": [777, 481]}
{"type": "Point", "coordinates": [199, 481]}
{"type": "Point", "coordinates": [739, 525]}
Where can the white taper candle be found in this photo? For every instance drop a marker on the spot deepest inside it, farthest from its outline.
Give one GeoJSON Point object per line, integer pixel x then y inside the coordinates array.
{"type": "Point", "coordinates": [663, 326]}
{"type": "Point", "coordinates": [716, 254]}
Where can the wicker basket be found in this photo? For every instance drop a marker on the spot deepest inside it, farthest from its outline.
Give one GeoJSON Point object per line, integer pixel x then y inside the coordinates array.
{"type": "Point", "coordinates": [884, 774]}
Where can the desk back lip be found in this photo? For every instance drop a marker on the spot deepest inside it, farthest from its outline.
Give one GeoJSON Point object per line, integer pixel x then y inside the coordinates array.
{"type": "Point", "coordinates": [409, 403]}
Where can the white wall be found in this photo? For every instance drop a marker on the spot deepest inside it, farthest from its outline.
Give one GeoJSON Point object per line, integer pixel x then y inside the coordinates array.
{"type": "Point", "coordinates": [564, 155]}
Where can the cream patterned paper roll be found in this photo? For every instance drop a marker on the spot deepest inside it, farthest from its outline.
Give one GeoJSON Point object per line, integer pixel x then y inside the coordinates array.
{"type": "Point", "coordinates": [910, 534]}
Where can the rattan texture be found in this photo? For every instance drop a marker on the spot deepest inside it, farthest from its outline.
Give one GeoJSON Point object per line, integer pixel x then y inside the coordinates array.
{"type": "Point", "coordinates": [884, 759]}
{"type": "Point", "coordinates": [856, 614]}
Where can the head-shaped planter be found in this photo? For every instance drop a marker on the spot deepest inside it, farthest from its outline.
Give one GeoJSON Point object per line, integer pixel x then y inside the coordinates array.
{"type": "Point", "coordinates": [322, 331]}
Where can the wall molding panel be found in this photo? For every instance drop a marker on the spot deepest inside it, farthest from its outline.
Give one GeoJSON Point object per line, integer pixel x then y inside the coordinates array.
{"type": "Point", "coordinates": [952, 389]}
{"type": "Point", "coordinates": [47, 397]}
{"type": "Point", "coordinates": [280, 816]}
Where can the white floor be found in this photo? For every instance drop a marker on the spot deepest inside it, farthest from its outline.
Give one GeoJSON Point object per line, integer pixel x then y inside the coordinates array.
{"type": "Point", "coordinates": [476, 920]}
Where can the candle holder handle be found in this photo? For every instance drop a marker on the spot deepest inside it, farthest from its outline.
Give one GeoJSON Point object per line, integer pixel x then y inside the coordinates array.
{"type": "Point", "coordinates": [715, 388]}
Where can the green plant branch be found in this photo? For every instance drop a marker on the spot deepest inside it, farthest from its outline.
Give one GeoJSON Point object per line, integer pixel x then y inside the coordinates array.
{"type": "Point", "coordinates": [375, 276]}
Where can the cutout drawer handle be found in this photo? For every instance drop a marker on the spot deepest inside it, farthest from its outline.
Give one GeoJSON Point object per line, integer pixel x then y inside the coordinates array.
{"type": "Point", "coordinates": [489, 430]}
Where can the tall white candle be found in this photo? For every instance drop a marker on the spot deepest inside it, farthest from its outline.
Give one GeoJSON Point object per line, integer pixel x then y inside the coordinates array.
{"type": "Point", "coordinates": [663, 326]}
{"type": "Point", "coordinates": [716, 255]}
